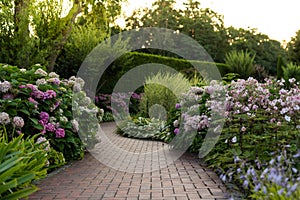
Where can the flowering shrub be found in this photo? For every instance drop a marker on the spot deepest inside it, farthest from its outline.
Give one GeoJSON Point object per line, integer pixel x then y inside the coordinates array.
{"type": "Point", "coordinates": [105, 100]}
{"type": "Point", "coordinates": [260, 119]}
{"type": "Point", "coordinates": [35, 102]}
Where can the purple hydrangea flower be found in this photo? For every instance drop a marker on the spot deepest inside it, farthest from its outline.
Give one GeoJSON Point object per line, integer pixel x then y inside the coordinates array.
{"type": "Point", "coordinates": [176, 131]}
{"type": "Point", "coordinates": [8, 97]}
{"type": "Point", "coordinates": [37, 94]}
{"type": "Point", "coordinates": [49, 94]}
{"type": "Point", "coordinates": [177, 106]}
{"type": "Point", "coordinates": [44, 117]}
{"type": "Point", "coordinates": [60, 133]}
{"type": "Point", "coordinates": [50, 127]}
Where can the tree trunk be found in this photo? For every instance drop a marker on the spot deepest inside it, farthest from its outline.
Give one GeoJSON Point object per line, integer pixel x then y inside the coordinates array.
{"type": "Point", "coordinates": [65, 35]}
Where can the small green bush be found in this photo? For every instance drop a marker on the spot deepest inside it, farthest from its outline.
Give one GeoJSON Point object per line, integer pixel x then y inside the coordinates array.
{"type": "Point", "coordinates": [142, 128]}
{"type": "Point", "coordinates": [291, 71]}
{"type": "Point", "coordinates": [240, 62]}
{"type": "Point", "coordinates": [163, 89]}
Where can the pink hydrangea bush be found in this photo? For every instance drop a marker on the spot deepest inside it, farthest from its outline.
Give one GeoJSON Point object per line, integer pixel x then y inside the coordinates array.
{"type": "Point", "coordinates": [36, 102]}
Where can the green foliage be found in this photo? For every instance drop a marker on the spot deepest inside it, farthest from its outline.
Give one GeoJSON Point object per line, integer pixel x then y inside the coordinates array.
{"type": "Point", "coordinates": [273, 194]}
{"type": "Point", "coordinates": [108, 117]}
{"type": "Point", "coordinates": [133, 59]}
{"type": "Point", "coordinates": [82, 40]}
{"type": "Point", "coordinates": [202, 24]}
{"type": "Point", "coordinates": [56, 159]}
{"type": "Point", "coordinates": [27, 98]}
{"type": "Point", "coordinates": [163, 89]}
{"type": "Point", "coordinates": [291, 71]}
{"type": "Point", "coordinates": [142, 128]}
{"type": "Point", "coordinates": [21, 162]}
{"type": "Point", "coordinates": [266, 50]}
{"type": "Point", "coordinates": [280, 65]}
{"type": "Point", "coordinates": [228, 78]}
{"type": "Point", "coordinates": [36, 31]}
{"type": "Point", "coordinates": [293, 49]}
{"type": "Point", "coordinates": [241, 63]}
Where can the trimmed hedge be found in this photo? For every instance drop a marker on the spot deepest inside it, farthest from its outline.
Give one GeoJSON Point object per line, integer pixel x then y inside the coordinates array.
{"type": "Point", "coordinates": [134, 59]}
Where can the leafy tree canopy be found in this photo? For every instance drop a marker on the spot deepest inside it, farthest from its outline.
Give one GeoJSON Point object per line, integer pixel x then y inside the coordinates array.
{"type": "Point", "coordinates": [35, 31]}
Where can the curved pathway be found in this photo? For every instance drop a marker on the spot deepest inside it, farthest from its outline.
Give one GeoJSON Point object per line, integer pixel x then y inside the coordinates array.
{"type": "Point", "coordinates": [89, 179]}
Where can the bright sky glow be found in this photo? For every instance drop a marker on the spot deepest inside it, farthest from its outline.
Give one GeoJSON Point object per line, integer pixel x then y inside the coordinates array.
{"type": "Point", "coordinates": [278, 19]}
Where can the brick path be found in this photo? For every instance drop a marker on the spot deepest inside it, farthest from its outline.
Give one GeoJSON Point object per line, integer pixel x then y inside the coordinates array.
{"type": "Point", "coordinates": [187, 178]}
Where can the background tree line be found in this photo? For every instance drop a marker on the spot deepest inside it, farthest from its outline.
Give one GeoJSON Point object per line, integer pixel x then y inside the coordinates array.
{"type": "Point", "coordinates": [34, 31]}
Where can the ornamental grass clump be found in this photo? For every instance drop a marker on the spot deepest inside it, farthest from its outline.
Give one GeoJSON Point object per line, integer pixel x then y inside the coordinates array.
{"type": "Point", "coordinates": [163, 89]}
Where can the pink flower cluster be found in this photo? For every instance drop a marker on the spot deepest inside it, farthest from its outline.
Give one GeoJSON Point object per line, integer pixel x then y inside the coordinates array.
{"type": "Point", "coordinates": [37, 94]}
{"type": "Point", "coordinates": [50, 126]}
{"type": "Point", "coordinates": [272, 98]}
{"type": "Point", "coordinates": [248, 97]}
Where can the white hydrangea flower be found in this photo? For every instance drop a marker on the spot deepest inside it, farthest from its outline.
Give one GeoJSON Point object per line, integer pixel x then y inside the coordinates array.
{"type": "Point", "coordinates": [41, 72]}
{"type": "Point", "coordinates": [41, 81]}
{"type": "Point", "coordinates": [53, 75]}
{"type": "Point", "coordinates": [176, 123]}
{"type": "Point", "coordinates": [52, 119]}
{"type": "Point", "coordinates": [63, 119]}
{"type": "Point", "coordinates": [75, 125]}
{"type": "Point", "coordinates": [287, 118]}
{"type": "Point", "coordinates": [45, 141]}
{"type": "Point", "coordinates": [4, 118]}
{"type": "Point", "coordinates": [18, 122]}
{"type": "Point", "coordinates": [101, 111]}
{"type": "Point", "coordinates": [72, 78]}
{"type": "Point", "coordinates": [5, 86]}
{"type": "Point", "coordinates": [80, 81]}
{"type": "Point", "coordinates": [23, 70]}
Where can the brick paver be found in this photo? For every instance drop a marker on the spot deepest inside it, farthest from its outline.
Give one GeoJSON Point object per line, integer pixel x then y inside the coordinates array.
{"type": "Point", "coordinates": [88, 179]}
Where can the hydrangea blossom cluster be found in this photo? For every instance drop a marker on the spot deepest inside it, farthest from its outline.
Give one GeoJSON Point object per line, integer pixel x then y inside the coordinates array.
{"type": "Point", "coordinates": [17, 122]}
{"type": "Point", "coordinates": [200, 103]}
{"type": "Point", "coordinates": [5, 86]}
{"type": "Point", "coordinates": [45, 143]}
{"type": "Point", "coordinates": [38, 95]}
{"type": "Point", "coordinates": [4, 118]}
{"type": "Point", "coordinates": [119, 102]}
{"type": "Point", "coordinates": [50, 126]}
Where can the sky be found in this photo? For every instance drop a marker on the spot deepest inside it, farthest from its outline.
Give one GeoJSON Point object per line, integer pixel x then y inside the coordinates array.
{"type": "Point", "coordinates": [279, 19]}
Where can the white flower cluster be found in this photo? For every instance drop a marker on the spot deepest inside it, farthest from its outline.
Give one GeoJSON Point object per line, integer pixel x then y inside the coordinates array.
{"type": "Point", "coordinates": [63, 119]}
{"type": "Point", "coordinates": [18, 122]}
{"type": "Point", "coordinates": [75, 125]}
{"type": "Point", "coordinates": [41, 81]}
{"type": "Point", "coordinates": [41, 72]}
{"type": "Point", "coordinates": [45, 142]}
{"type": "Point", "coordinates": [5, 86]}
{"type": "Point", "coordinates": [53, 75]}
{"type": "Point", "coordinates": [4, 118]}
